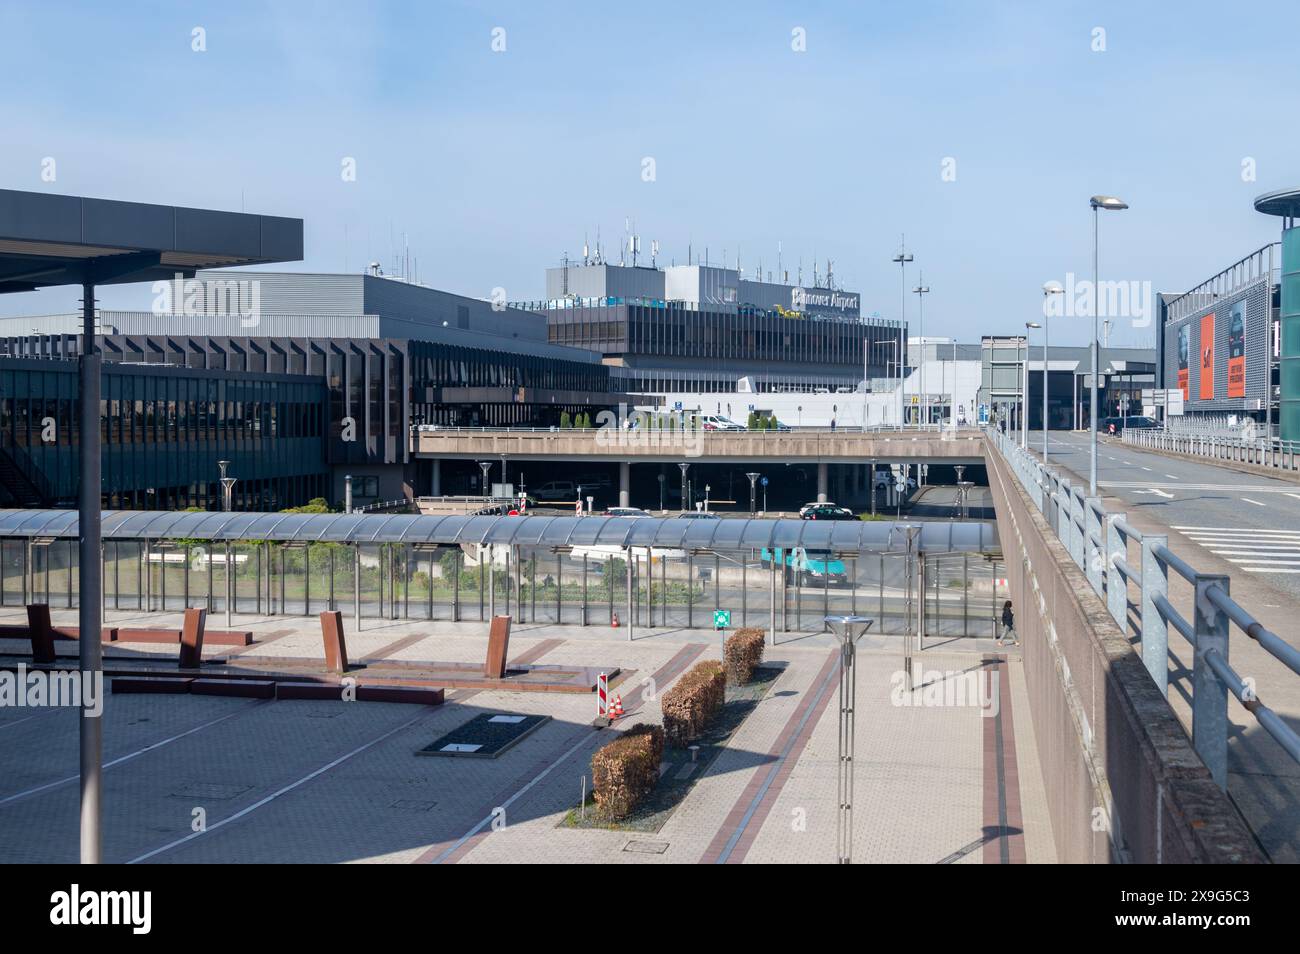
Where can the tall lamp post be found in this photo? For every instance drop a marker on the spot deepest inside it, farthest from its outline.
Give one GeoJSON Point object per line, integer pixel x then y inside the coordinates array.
{"type": "Point", "coordinates": [1024, 405]}
{"type": "Point", "coordinates": [849, 629]}
{"type": "Point", "coordinates": [1110, 204]}
{"type": "Point", "coordinates": [1049, 289]}
{"type": "Point", "coordinates": [921, 291]}
{"type": "Point", "coordinates": [685, 500]}
{"type": "Point", "coordinates": [902, 258]}
{"type": "Point", "coordinates": [753, 481]}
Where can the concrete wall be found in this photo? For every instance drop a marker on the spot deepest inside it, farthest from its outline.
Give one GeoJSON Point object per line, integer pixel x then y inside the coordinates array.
{"type": "Point", "coordinates": [1122, 779]}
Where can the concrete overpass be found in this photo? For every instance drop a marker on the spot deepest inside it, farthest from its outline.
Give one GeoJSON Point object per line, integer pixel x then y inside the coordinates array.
{"type": "Point", "coordinates": [626, 447]}
{"type": "Point", "coordinates": [734, 447]}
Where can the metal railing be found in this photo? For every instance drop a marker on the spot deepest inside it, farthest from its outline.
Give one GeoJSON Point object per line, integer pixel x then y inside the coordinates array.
{"type": "Point", "coordinates": [1098, 543]}
{"type": "Point", "coordinates": [1277, 454]}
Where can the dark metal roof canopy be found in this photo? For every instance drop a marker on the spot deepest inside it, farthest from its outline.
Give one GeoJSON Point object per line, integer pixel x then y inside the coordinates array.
{"type": "Point", "coordinates": [1283, 202]}
{"type": "Point", "coordinates": [663, 532]}
{"type": "Point", "coordinates": [50, 239]}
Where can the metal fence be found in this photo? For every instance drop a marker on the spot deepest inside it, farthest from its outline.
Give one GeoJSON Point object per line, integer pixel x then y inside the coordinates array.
{"type": "Point", "coordinates": [959, 593]}
{"type": "Point", "coordinates": [1276, 454]}
{"type": "Point", "coordinates": [1098, 541]}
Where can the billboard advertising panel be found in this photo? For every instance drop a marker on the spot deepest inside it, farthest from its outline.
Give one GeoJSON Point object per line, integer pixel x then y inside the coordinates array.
{"type": "Point", "coordinates": [1184, 343]}
{"type": "Point", "coordinates": [1217, 354]}
{"type": "Point", "coordinates": [1237, 351]}
{"type": "Point", "coordinates": [1206, 349]}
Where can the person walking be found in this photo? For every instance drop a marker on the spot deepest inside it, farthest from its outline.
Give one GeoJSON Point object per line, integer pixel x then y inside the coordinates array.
{"type": "Point", "coordinates": [1008, 626]}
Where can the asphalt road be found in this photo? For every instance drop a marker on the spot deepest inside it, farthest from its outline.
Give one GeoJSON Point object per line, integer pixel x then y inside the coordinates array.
{"type": "Point", "coordinates": [1249, 521]}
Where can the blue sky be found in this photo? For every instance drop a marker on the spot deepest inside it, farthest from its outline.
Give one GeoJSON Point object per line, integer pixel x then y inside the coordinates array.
{"type": "Point", "coordinates": [495, 164]}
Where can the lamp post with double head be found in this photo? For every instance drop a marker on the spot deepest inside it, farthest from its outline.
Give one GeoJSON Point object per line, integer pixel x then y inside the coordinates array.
{"type": "Point", "coordinates": [1110, 204]}
{"type": "Point", "coordinates": [902, 258]}
{"type": "Point", "coordinates": [921, 290]}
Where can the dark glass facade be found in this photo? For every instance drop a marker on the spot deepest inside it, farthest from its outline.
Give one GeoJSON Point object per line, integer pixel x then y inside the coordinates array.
{"type": "Point", "coordinates": [163, 431]}
{"type": "Point", "coordinates": [742, 339]}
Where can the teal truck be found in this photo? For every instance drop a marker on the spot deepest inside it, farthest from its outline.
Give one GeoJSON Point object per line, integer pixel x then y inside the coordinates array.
{"type": "Point", "coordinates": [809, 567]}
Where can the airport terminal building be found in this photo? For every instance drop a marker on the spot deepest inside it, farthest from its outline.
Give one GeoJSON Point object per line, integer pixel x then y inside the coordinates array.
{"type": "Point", "coordinates": [703, 328]}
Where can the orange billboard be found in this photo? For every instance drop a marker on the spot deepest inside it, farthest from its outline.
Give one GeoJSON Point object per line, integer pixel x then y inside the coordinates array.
{"type": "Point", "coordinates": [1207, 357]}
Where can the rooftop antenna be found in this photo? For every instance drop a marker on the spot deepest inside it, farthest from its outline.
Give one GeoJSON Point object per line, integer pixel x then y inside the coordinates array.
{"type": "Point", "coordinates": [830, 274]}
{"type": "Point", "coordinates": [654, 253]}
{"type": "Point", "coordinates": [778, 257]}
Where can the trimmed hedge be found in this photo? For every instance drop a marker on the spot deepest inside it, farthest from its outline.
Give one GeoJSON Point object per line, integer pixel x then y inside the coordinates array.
{"type": "Point", "coordinates": [743, 651]}
{"type": "Point", "coordinates": [691, 704]}
{"type": "Point", "coordinates": [626, 770]}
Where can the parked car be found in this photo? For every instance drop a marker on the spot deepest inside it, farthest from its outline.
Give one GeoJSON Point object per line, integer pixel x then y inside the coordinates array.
{"type": "Point", "coordinates": [556, 490]}
{"type": "Point", "coordinates": [698, 515]}
{"type": "Point", "coordinates": [716, 422]}
{"type": "Point", "coordinates": [886, 479]}
{"type": "Point", "coordinates": [827, 511]}
{"type": "Point", "coordinates": [626, 512]}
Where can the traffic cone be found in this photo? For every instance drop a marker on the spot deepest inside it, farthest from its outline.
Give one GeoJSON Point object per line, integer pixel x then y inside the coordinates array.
{"type": "Point", "coordinates": [615, 622]}
{"type": "Point", "coordinates": [617, 710]}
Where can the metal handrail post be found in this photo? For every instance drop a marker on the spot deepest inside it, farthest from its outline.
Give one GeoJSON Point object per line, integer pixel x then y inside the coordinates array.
{"type": "Point", "coordinates": [1155, 631]}
{"type": "Point", "coordinates": [1116, 584]}
{"type": "Point", "coordinates": [1209, 694]}
{"type": "Point", "coordinates": [1093, 543]}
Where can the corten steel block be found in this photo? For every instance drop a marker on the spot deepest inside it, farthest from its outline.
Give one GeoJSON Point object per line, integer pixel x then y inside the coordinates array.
{"type": "Point", "coordinates": [38, 627]}
{"type": "Point", "coordinates": [152, 685]}
{"type": "Point", "coordinates": [240, 688]}
{"type": "Point", "coordinates": [192, 638]}
{"type": "Point", "coordinates": [336, 649]}
{"type": "Point", "coordinates": [414, 695]}
{"type": "Point", "coordinates": [498, 648]}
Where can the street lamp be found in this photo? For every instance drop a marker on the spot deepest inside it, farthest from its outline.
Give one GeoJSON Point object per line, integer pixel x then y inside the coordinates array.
{"type": "Point", "coordinates": [902, 258]}
{"type": "Point", "coordinates": [227, 485]}
{"type": "Point", "coordinates": [685, 467]}
{"type": "Point", "coordinates": [753, 480]}
{"type": "Point", "coordinates": [1049, 289]}
{"type": "Point", "coordinates": [1110, 204]}
{"type": "Point", "coordinates": [485, 466]}
{"type": "Point", "coordinates": [921, 290]}
{"type": "Point", "coordinates": [1024, 402]}
{"type": "Point", "coordinates": [849, 629]}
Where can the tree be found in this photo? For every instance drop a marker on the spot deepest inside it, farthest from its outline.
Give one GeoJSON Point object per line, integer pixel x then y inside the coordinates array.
{"type": "Point", "coordinates": [564, 419]}
{"type": "Point", "coordinates": [752, 421]}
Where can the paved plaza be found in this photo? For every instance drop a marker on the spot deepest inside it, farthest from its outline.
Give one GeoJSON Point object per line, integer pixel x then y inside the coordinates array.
{"type": "Point", "coordinates": [209, 779]}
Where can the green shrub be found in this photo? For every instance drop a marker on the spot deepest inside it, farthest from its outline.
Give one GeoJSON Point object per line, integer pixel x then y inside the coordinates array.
{"type": "Point", "coordinates": [742, 652]}
{"type": "Point", "coordinates": [625, 771]}
{"type": "Point", "coordinates": [692, 703]}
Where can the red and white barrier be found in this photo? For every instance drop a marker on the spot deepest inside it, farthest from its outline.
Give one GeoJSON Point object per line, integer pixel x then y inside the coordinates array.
{"type": "Point", "coordinates": [602, 696]}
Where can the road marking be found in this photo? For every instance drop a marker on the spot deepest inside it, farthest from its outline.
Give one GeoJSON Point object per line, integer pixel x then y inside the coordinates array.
{"type": "Point", "coordinates": [1255, 502]}
{"type": "Point", "coordinates": [278, 792]}
{"type": "Point", "coordinates": [152, 746]}
{"type": "Point", "coordinates": [1237, 529]}
{"type": "Point", "coordinates": [1172, 477]}
{"type": "Point", "coordinates": [1267, 562]}
{"type": "Point", "coordinates": [1296, 496]}
{"type": "Point", "coordinates": [1147, 469]}
{"type": "Point", "coordinates": [1157, 492]}
{"type": "Point", "coordinates": [1265, 569]}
